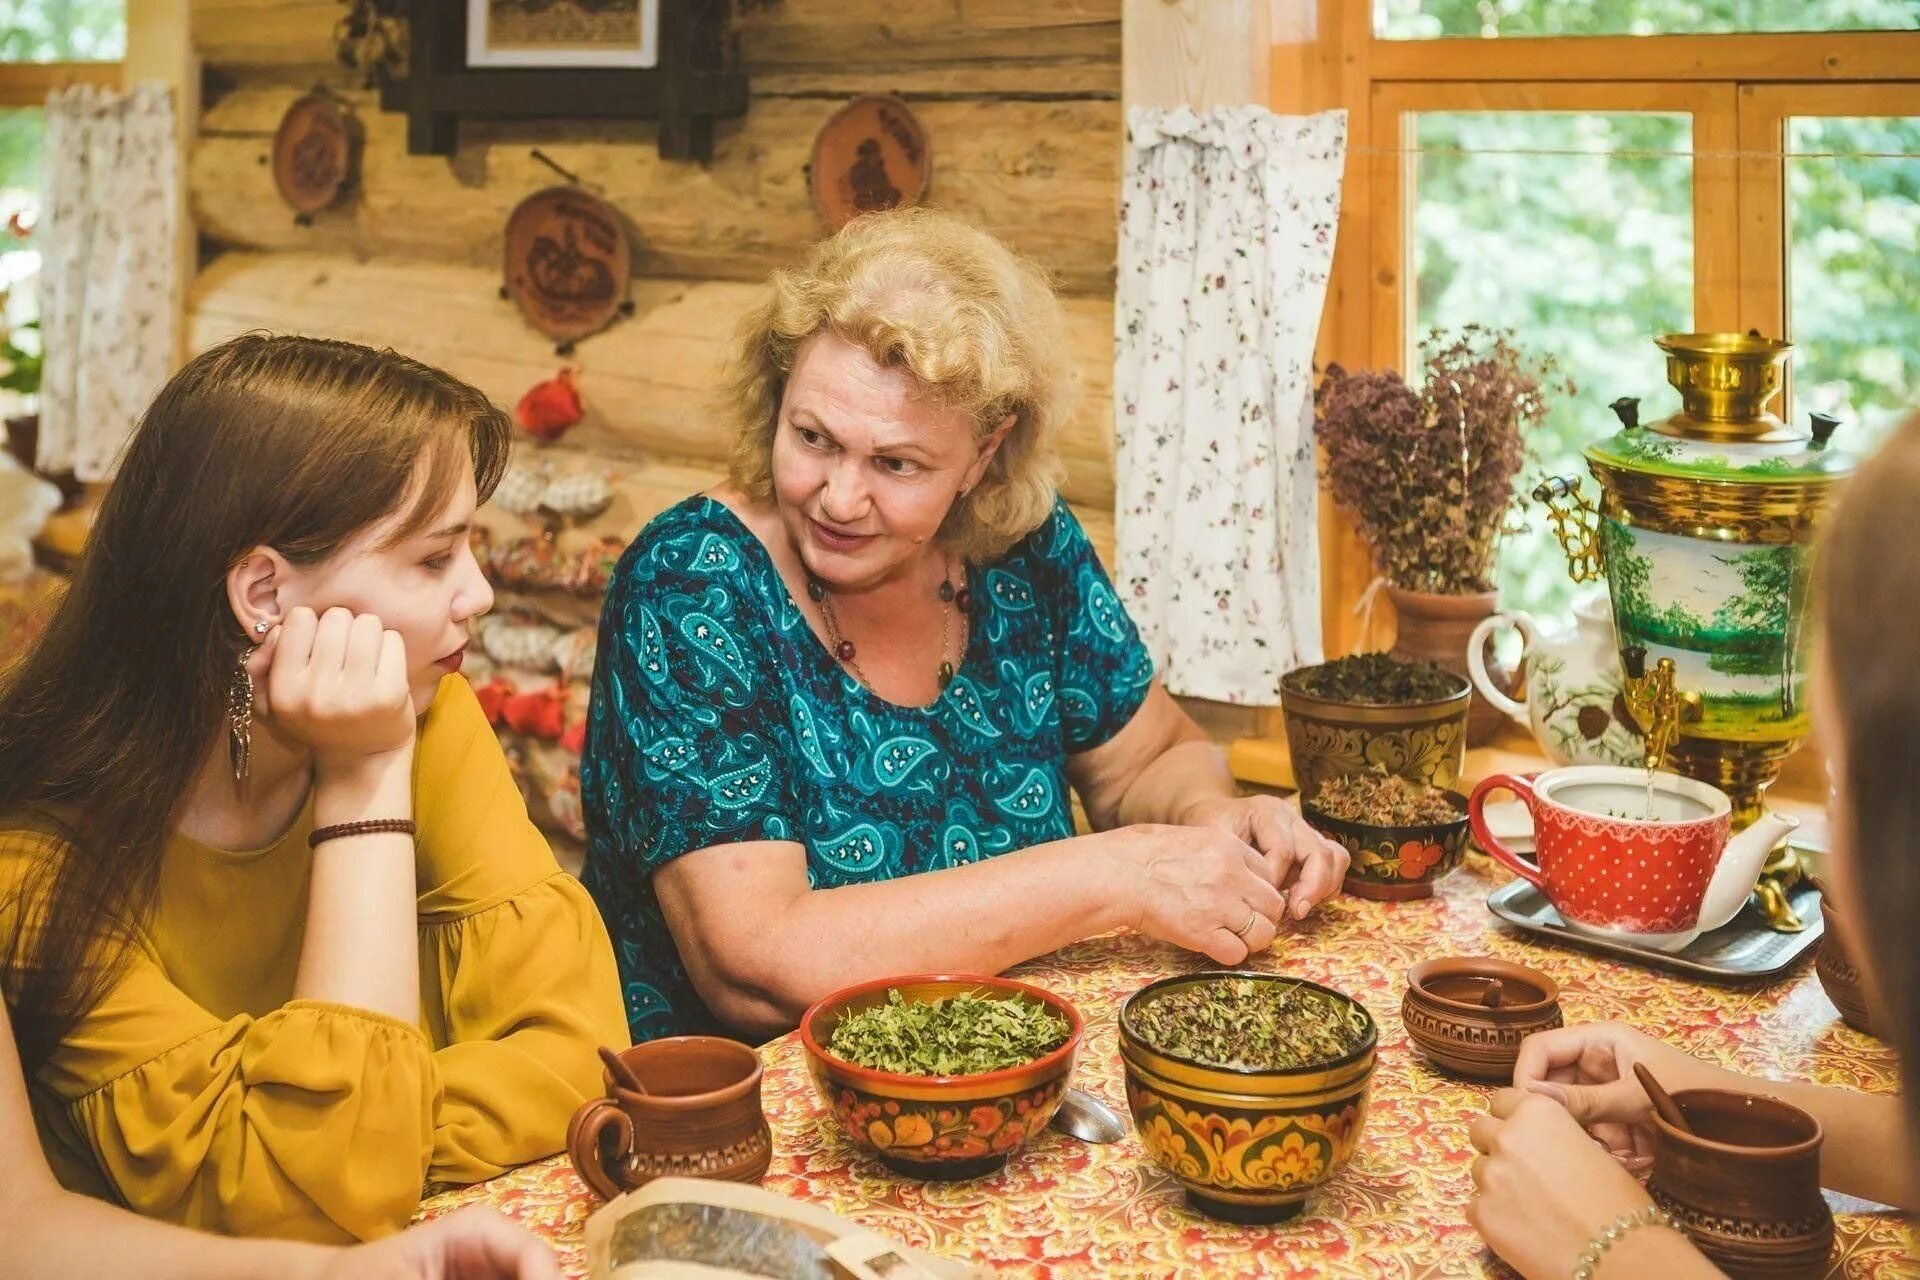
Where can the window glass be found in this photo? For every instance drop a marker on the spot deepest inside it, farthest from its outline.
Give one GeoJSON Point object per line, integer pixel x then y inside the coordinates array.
{"type": "Point", "coordinates": [1853, 269]}
{"type": "Point", "coordinates": [1575, 231]}
{"type": "Point", "coordinates": [1428, 19]}
{"type": "Point", "coordinates": [63, 30]}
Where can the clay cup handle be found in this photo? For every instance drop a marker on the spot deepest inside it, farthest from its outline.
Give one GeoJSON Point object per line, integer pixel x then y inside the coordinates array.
{"type": "Point", "coordinates": [1483, 681]}
{"type": "Point", "coordinates": [1506, 857]}
{"type": "Point", "coordinates": [587, 1148]}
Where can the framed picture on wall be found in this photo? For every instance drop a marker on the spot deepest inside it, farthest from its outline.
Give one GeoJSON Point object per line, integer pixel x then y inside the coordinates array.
{"type": "Point", "coordinates": [563, 33]}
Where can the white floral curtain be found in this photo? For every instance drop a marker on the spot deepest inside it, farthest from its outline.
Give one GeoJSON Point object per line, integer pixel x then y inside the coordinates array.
{"type": "Point", "coordinates": [1226, 241]}
{"type": "Point", "coordinates": [106, 238]}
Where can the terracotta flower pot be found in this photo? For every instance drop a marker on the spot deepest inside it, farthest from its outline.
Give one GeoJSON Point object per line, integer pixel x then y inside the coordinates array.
{"type": "Point", "coordinates": [1436, 628]}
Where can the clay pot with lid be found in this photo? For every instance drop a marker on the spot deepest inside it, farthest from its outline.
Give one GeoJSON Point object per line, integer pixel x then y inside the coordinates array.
{"type": "Point", "coordinates": [1447, 1014]}
{"type": "Point", "coordinates": [1745, 1185]}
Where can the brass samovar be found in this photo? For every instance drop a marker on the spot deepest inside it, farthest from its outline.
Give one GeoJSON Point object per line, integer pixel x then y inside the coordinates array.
{"type": "Point", "coordinates": [1704, 531]}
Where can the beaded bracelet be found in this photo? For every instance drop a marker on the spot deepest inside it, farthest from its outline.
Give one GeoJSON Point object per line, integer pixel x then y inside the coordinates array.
{"type": "Point", "coordinates": [1650, 1216]}
{"type": "Point", "coordinates": [371, 826]}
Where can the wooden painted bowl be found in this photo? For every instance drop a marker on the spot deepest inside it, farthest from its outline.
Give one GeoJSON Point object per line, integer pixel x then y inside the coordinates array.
{"type": "Point", "coordinates": [1419, 741]}
{"type": "Point", "coordinates": [1840, 975]}
{"type": "Point", "coordinates": [940, 1128]}
{"type": "Point", "coordinates": [1247, 1146]}
{"type": "Point", "coordinates": [1745, 1184]}
{"type": "Point", "coordinates": [1446, 1017]}
{"type": "Point", "coordinates": [1396, 863]}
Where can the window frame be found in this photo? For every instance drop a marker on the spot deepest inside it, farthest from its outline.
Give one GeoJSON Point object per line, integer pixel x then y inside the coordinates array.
{"type": "Point", "coordinates": [1740, 90]}
{"type": "Point", "coordinates": [27, 84]}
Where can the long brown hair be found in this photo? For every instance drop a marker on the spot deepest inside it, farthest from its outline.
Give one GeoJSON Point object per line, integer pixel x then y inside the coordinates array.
{"type": "Point", "coordinates": [289, 442]}
{"type": "Point", "coordinates": [1870, 577]}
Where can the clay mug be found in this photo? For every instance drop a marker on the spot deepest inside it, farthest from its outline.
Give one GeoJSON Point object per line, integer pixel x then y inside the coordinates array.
{"type": "Point", "coordinates": [699, 1118]}
{"type": "Point", "coordinates": [1613, 867]}
{"type": "Point", "coordinates": [1745, 1184]}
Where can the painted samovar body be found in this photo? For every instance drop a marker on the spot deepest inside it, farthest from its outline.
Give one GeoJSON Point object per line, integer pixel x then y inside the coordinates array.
{"type": "Point", "coordinates": [1704, 531]}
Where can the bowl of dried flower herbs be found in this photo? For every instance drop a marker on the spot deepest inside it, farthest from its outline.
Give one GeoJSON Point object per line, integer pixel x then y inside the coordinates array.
{"type": "Point", "coordinates": [1400, 836]}
{"type": "Point", "coordinates": [942, 1076]}
{"type": "Point", "coordinates": [1249, 1088]}
{"type": "Point", "coordinates": [1371, 713]}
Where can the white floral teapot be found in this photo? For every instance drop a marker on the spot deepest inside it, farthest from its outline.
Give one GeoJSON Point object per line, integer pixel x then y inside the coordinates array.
{"type": "Point", "coordinates": [1574, 704]}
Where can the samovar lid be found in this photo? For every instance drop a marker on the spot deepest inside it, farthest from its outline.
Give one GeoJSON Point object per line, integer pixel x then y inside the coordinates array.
{"type": "Point", "coordinates": [1724, 431]}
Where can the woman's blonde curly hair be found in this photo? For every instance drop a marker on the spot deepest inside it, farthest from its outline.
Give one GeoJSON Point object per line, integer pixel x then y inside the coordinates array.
{"type": "Point", "coordinates": [977, 325]}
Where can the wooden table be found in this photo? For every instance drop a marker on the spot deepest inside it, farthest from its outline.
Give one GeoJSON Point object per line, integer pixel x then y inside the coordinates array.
{"type": "Point", "coordinates": [1066, 1209]}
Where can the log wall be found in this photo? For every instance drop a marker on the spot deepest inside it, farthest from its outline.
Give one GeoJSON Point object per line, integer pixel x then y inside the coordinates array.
{"type": "Point", "coordinates": [1020, 99]}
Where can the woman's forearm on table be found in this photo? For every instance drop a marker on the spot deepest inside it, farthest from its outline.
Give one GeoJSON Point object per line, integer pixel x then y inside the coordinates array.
{"type": "Point", "coordinates": [53, 1234]}
{"type": "Point", "coordinates": [1866, 1150]}
{"type": "Point", "coordinates": [759, 970]}
{"type": "Point", "coordinates": [1183, 775]}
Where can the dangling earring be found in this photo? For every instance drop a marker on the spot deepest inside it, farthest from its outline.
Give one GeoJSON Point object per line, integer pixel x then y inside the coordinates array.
{"type": "Point", "coordinates": [240, 717]}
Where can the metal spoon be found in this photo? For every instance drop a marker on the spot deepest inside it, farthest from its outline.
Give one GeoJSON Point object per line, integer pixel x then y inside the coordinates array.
{"type": "Point", "coordinates": [1085, 1117]}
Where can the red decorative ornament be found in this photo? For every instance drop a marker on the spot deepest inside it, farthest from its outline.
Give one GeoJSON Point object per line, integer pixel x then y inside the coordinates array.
{"type": "Point", "coordinates": [540, 714]}
{"type": "Point", "coordinates": [547, 410]}
{"type": "Point", "coordinates": [575, 738]}
{"type": "Point", "coordinates": [493, 696]}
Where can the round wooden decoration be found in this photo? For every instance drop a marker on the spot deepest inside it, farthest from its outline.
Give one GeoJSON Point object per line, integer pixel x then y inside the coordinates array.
{"type": "Point", "coordinates": [871, 155]}
{"type": "Point", "coordinates": [567, 262]}
{"type": "Point", "coordinates": [315, 152]}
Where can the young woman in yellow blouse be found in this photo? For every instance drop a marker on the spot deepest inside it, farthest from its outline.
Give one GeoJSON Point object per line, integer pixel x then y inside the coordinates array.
{"type": "Point", "coordinates": [240, 1008]}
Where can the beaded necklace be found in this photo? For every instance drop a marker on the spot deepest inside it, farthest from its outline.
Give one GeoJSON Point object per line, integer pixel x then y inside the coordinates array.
{"type": "Point", "coordinates": [843, 648]}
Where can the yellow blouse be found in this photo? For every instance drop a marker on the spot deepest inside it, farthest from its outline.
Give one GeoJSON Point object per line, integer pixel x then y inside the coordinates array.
{"type": "Point", "coordinates": [199, 1091]}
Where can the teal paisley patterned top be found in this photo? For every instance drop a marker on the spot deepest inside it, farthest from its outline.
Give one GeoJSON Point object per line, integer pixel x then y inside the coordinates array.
{"type": "Point", "coordinates": [718, 716]}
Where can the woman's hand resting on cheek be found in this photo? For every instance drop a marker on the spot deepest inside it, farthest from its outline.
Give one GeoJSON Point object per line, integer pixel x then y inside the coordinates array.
{"type": "Point", "coordinates": [338, 684]}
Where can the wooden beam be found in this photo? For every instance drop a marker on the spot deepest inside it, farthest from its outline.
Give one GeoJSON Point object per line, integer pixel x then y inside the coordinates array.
{"type": "Point", "coordinates": [27, 84]}
{"type": "Point", "coordinates": [1200, 53]}
{"type": "Point", "coordinates": [160, 49]}
{"type": "Point", "coordinates": [796, 46]}
{"type": "Point", "coordinates": [1040, 175]}
{"type": "Point", "coordinates": [648, 381]}
{"type": "Point", "coordinates": [1830, 56]}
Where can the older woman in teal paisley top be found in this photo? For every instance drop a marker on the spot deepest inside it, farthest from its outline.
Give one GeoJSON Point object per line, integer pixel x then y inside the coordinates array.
{"type": "Point", "coordinates": [841, 700]}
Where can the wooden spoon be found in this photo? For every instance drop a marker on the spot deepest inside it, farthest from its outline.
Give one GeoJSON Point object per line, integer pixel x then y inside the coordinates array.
{"type": "Point", "coordinates": [1492, 996]}
{"type": "Point", "coordinates": [1662, 1100]}
{"type": "Point", "coordinates": [622, 1073]}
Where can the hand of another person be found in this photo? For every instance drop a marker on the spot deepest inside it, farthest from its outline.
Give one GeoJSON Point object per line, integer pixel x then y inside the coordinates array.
{"type": "Point", "coordinates": [1200, 888]}
{"type": "Point", "coordinates": [337, 683]}
{"type": "Point", "coordinates": [1303, 864]}
{"type": "Point", "coordinates": [473, 1244]}
{"type": "Point", "coordinates": [1543, 1189]}
{"type": "Point", "coordinates": [1588, 1070]}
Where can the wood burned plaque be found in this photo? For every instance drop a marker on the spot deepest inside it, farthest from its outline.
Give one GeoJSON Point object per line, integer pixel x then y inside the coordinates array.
{"type": "Point", "coordinates": [871, 155]}
{"type": "Point", "coordinates": [315, 151]}
{"type": "Point", "coordinates": [567, 262]}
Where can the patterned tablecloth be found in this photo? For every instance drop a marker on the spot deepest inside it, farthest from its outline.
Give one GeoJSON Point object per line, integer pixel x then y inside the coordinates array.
{"type": "Point", "coordinates": [1062, 1208]}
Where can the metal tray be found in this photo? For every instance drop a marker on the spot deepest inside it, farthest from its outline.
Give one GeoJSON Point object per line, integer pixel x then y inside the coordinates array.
{"type": "Point", "coordinates": [1742, 950]}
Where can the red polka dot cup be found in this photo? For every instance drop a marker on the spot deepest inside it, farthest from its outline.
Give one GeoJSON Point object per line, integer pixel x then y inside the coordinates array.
{"type": "Point", "coordinates": [1654, 871]}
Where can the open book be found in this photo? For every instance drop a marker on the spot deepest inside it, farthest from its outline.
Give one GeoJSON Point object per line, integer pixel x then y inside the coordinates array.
{"type": "Point", "coordinates": [686, 1227]}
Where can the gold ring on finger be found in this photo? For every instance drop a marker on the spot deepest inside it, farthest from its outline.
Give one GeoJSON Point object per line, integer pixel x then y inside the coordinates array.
{"type": "Point", "coordinates": [1253, 918]}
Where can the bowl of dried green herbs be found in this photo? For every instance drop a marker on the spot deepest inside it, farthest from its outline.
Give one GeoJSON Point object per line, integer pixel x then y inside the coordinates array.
{"type": "Point", "coordinates": [1400, 836]}
{"type": "Point", "coordinates": [942, 1076]}
{"type": "Point", "coordinates": [1370, 712]}
{"type": "Point", "coordinates": [1249, 1088]}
